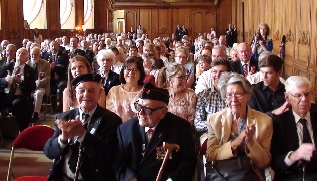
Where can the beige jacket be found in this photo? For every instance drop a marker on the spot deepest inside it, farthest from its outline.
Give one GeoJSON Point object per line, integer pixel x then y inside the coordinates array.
{"type": "Point", "coordinates": [219, 130]}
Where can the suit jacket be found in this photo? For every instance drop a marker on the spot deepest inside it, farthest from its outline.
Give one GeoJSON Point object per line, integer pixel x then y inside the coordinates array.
{"type": "Point", "coordinates": [112, 80]}
{"type": "Point", "coordinates": [28, 84]}
{"type": "Point", "coordinates": [3, 73]}
{"type": "Point", "coordinates": [43, 66]}
{"type": "Point", "coordinates": [89, 55]}
{"type": "Point", "coordinates": [77, 52]}
{"type": "Point", "coordinates": [99, 149]}
{"type": "Point", "coordinates": [61, 65]}
{"type": "Point", "coordinates": [285, 139]}
{"type": "Point", "coordinates": [137, 158]}
{"type": "Point", "coordinates": [236, 66]}
{"type": "Point", "coordinates": [219, 131]}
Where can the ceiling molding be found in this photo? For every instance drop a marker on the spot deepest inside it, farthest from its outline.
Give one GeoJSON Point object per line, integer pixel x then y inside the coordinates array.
{"type": "Point", "coordinates": [163, 4]}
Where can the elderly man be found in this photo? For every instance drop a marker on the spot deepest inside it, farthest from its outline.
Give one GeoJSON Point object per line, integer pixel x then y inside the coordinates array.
{"type": "Point", "coordinates": [21, 84]}
{"type": "Point", "coordinates": [205, 79]}
{"type": "Point", "coordinates": [246, 65]}
{"type": "Point", "coordinates": [89, 129]}
{"type": "Point", "coordinates": [140, 151]}
{"type": "Point", "coordinates": [73, 48]}
{"type": "Point", "coordinates": [42, 76]}
{"type": "Point", "coordinates": [105, 60]}
{"type": "Point", "coordinates": [294, 134]}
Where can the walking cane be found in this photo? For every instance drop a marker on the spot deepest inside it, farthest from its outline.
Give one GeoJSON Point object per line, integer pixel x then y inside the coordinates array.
{"type": "Point", "coordinates": [169, 147]}
{"type": "Point", "coordinates": [78, 162]}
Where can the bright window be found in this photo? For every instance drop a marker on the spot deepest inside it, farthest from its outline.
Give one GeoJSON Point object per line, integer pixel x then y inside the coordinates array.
{"type": "Point", "coordinates": [67, 14]}
{"type": "Point", "coordinates": [34, 12]}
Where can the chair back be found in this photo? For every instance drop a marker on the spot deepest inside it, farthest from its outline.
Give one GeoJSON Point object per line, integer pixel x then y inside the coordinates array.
{"type": "Point", "coordinates": [33, 138]}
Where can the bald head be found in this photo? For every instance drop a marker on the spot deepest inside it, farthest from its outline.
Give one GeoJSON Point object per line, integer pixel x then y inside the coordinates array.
{"type": "Point", "coordinates": [244, 52]}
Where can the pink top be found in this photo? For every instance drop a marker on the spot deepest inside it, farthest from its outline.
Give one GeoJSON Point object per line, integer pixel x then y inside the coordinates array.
{"type": "Point", "coordinates": [185, 106]}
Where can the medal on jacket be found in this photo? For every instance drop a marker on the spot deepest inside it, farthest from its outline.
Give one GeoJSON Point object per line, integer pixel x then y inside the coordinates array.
{"type": "Point", "coordinates": [161, 152]}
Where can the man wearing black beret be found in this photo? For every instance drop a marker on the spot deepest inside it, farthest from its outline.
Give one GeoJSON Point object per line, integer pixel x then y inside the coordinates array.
{"type": "Point", "coordinates": [85, 139]}
{"type": "Point", "coordinates": [140, 153]}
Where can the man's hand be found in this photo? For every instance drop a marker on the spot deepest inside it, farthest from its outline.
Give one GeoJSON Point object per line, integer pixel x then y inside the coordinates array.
{"type": "Point", "coordinates": [238, 141]}
{"type": "Point", "coordinates": [304, 152]}
{"type": "Point", "coordinates": [71, 128]}
{"type": "Point", "coordinates": [285, 107]}
{"type": "Point", "coordinates": [37, 82]}
{"type": "Point", "coordinates": [52, 65]}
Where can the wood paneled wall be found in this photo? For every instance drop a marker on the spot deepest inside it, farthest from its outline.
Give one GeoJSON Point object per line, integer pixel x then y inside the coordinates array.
{"type": "Point", "coordinates": [296, 19]}
{"type": "Point", "coordinates": [161, 20]}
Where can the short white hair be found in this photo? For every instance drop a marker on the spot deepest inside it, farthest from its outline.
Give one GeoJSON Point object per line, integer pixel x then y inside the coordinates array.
{"type": "Point", "coordinates": [296, 82]}
{"type": "Point", "coordinates": [105, 54]}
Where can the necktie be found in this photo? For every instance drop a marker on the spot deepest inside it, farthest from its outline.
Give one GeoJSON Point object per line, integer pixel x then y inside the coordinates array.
{"type": "Point", "coordinates": [306, 135]}
{"type": "Point", "coordinates": [13, 86]}
{"type": "Point", "coordinates": [150, 134]}
{"type": "Point", "coordinates": [36, 71]}
{"type": "Point", "coordinates": [53, 58]}
{"type": "Point", "coordinates": [245, 69]}
{"type": "Point", "coordinates": [84, 118]}
{"type": "Point", "coordinates": [73, 159]}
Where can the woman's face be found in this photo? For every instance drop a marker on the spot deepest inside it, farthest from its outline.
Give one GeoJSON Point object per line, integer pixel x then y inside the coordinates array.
{"type": "Point", "coordinates": [181, 58]}
{"type": "Point", "coordinates": [178, 81]}
{"type": "Point", "coordinates": [147, 62]}
{"type": "Point", "coordinates": [132, 73]}
{"type": "Point", "coordinates": [78, 68]}
{"type": "Point", "coordinates": [237, 99]}
{"type": "Point", "coordinates": [263, 30]}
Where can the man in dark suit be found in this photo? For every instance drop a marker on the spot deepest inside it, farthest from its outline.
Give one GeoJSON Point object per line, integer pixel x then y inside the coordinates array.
{"type": "Point", "coordinates": [246, 65]}
{"type": "Point", "coordinates": [89, 129]}
{"type": "Point", "coordinates": [21, 84]}
{"type": "Point", "coordinates": [6, 69]}
{"type": "Point", "coordinates": [229, 36]}
{"type": "Point", "coordinates": [58, 64]}
{"type": "Point", "coordinates": [140, 149]}
{"type": "Point", "coordinates": [105, 59]}
{"type": "Point", "coordinates": [89, 54]}
{"type": "Point", "coordinates": [73, 48]}
{"type": "Point", "coordinates": [294, 134]}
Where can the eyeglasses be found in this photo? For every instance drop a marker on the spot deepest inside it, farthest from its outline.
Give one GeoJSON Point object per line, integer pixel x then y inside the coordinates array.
{"type": "Point", "coordinates": [144, 109]}
{"type": "Point", "coordinates": [299, 96]}
{"type": "Point", "coordinates": [236, 95]}
{"type": "Point", "coordinates": [181, 56]}
{"type": "Point", "coordinates": [132, 70]}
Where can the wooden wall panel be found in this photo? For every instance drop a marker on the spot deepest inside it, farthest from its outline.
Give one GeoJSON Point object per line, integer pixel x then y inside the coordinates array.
{"type": "Point", "coordinates": [164, 23]}
{"type": "Point", "coordinates": [130, 19]}
{"type": "Point", "coordinates": [296, 19]}
{"type": "Point", "coordinates": [198, 18]}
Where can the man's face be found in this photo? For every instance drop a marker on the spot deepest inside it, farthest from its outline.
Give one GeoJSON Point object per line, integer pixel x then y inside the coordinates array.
{"type": "Point", "coordinates": [22, 56]}
{"type": "Point", "coordinates": [10, 52]}
{"type": "Point", "coordinates": [73, 43]}
{"type": "Point", "coordinates": [216, 72]}
{"type": "Point", "coordinates": [270, 76]}
{"type": "Point", "coordinates": [300, 99]}
{"type": "Point", "coordinates": [35, 54]}
{"type": "Point", "coordinates": [4, 44]}
{"type": "Point", "coordinates": [54, 47]}
{"type": "Point", "coordinates": [88, 94]}
{"type": "Point", "coordinates": [216, 53]}
{"type": "Point", "coordinates": [244, 52]}
{"type": "Point", "coordinates": [150, 120]}
{"type": "Point", "coordinates": [83, 44]}
{"type": "Point", "coordinates": [133, 52]}
{"type": "Point", "coordinates": [105, 64]}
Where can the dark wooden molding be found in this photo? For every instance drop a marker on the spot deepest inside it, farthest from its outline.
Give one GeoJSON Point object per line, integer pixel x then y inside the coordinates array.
{"type": "Point", "coordinates": [163, 4]}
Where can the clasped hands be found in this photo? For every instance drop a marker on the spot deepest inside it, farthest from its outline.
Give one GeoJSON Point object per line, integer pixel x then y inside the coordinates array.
{"type": "Point", "coordinates": [246, 136]}
{"type": "Point", "coordinates": [71, 128]}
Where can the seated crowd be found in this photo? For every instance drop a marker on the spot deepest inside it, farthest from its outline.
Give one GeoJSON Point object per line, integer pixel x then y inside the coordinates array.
{"type": "Point", "coordinates": [123, 103]}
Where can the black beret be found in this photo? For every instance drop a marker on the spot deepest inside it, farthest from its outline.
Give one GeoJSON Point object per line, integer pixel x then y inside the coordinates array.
{"type": "Point", "coordinates": [86, 78]}
{"type": "Point", "coordinates": [154, 93]}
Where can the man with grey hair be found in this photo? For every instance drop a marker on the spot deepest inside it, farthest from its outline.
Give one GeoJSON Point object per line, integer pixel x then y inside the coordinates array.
{"type": "Point", "coordinates": [205, 79]}
{"type": "Point", "coordinates": [105, 59]}
{"type": "Point", "coordinates": [42, 76]}
{"type": "Point", "coordinates": [294, 134]}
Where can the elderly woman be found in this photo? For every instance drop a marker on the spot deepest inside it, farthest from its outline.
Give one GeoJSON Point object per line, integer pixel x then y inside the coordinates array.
{"type": "Point", "coordinates": [238, 134]}
{"type": "Point", "coordinates": [149, 64]}
{"type": "Point", "coordinates": [182, 100]}
{"type": "Point", "coordinates": [261, 41]}
{"type": "Point", "coordinates": [181, 57]}
{"type": "Point", "coordinates": [105, 59]}
{"type": "Point", "coordinates": [121, 97]}
{"type": "Point", "coordinates": [78, 65]}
